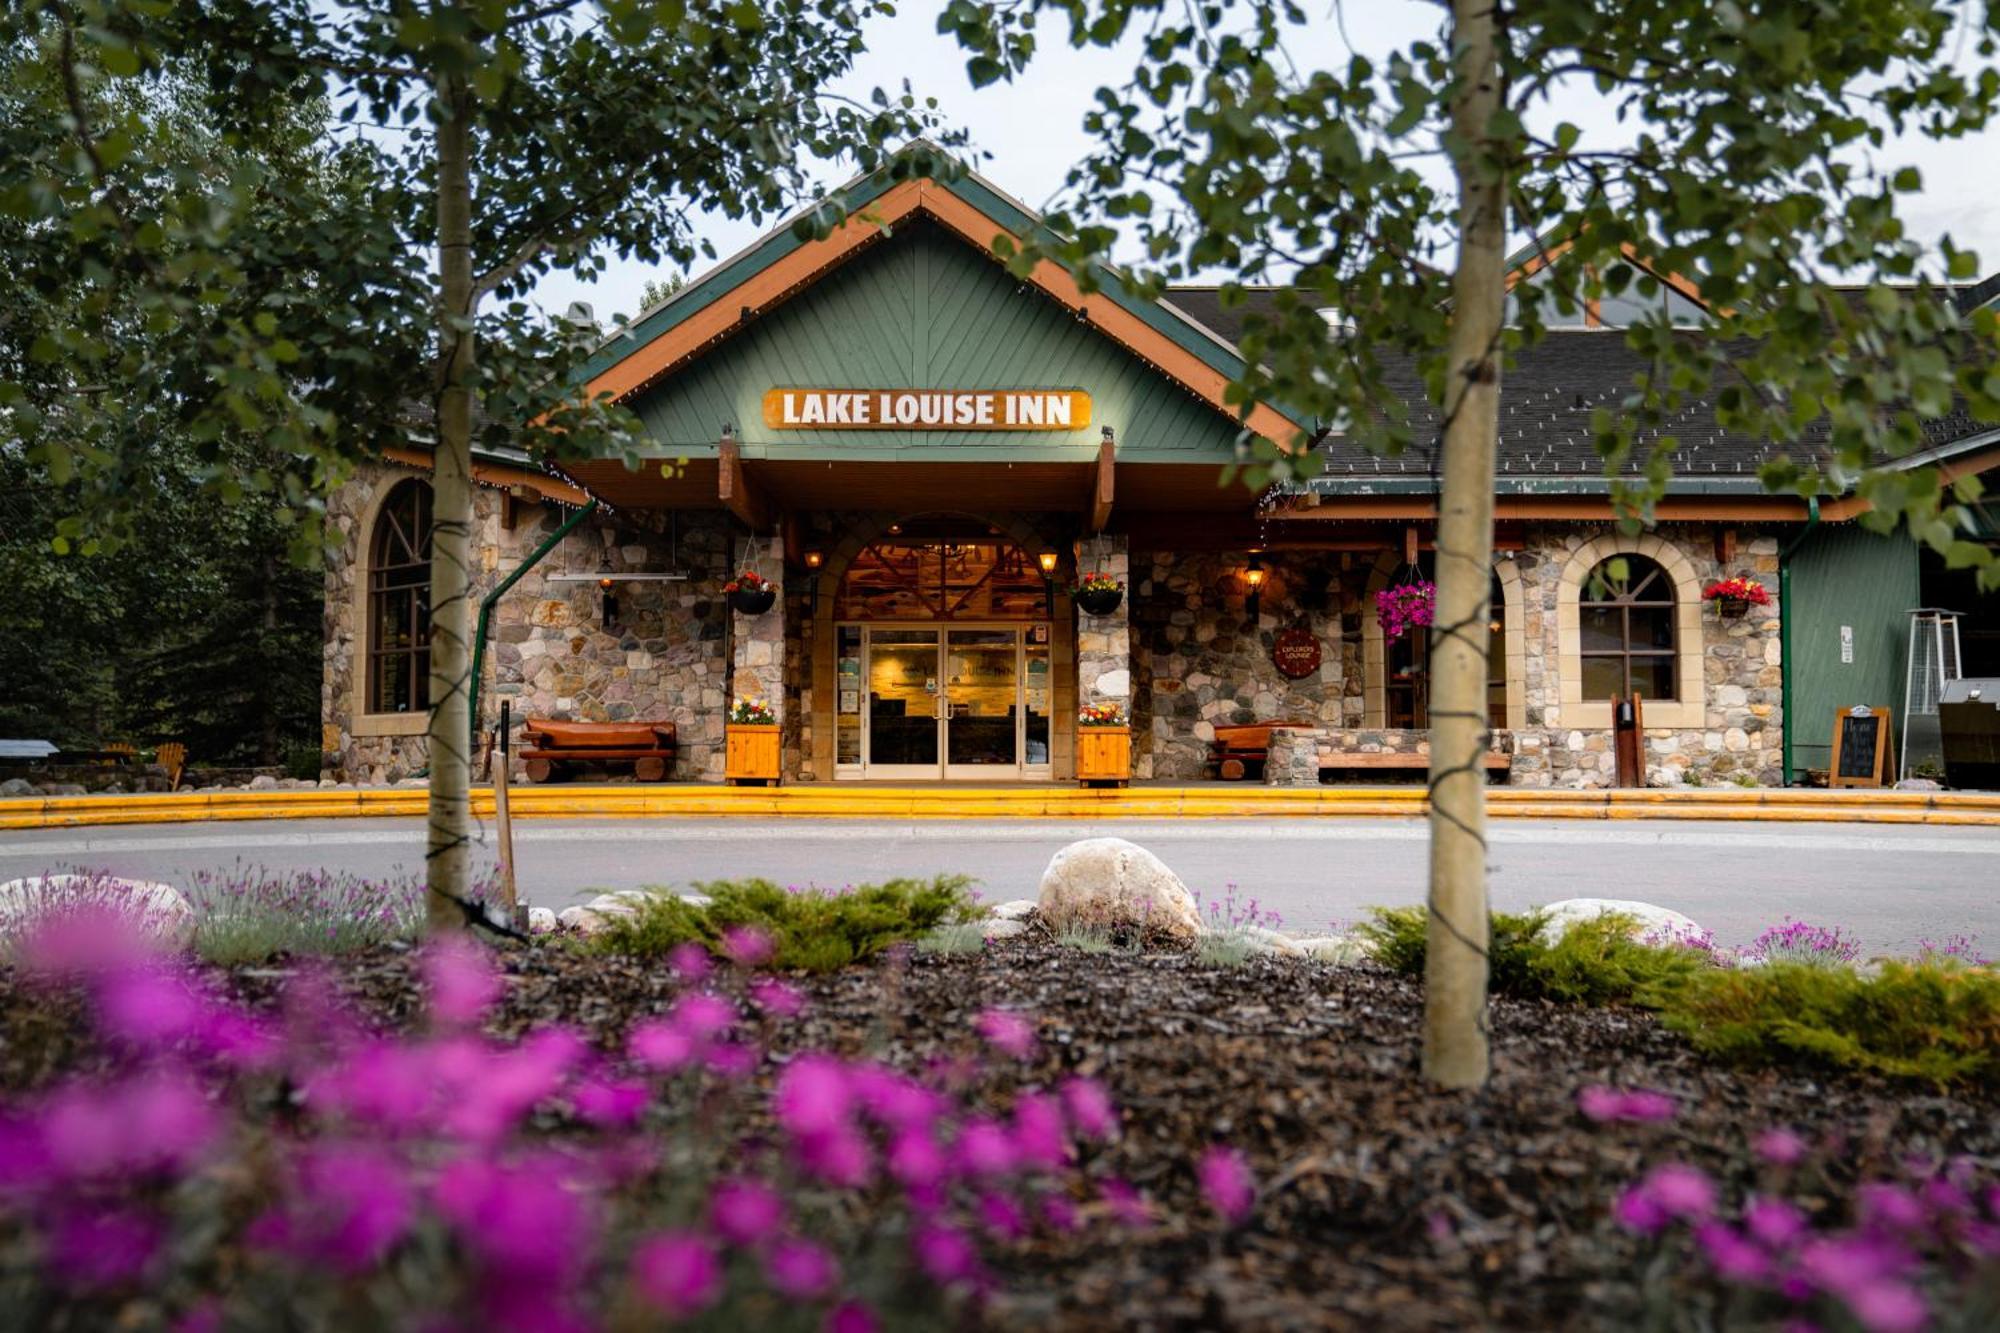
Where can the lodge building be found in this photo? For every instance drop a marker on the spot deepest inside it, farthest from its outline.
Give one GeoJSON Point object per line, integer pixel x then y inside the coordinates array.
{"type": "Point", "coordinates": [924, 453]}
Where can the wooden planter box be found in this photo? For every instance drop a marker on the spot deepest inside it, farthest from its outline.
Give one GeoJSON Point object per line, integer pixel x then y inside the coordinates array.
{"type": "Point", "coordinates": [1104, 754]}
{"type": "Point", "coordinates": [751, 753]}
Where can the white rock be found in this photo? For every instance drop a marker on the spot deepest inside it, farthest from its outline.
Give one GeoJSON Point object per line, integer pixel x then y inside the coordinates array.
{"type": "Point", "coordinates": [1015, 909]}
{"type": "Point", "coordinates": [1002, 928]}
{"type": "Point", "coordinates": [1907, 784]}
{"type": "Point", "coordinates": [541, 920]}
{"type": "Point", "coordinates": [582, 920]}
{"type": "Point", "coordinates": [17, 787]}
{"type": "Point", "coordinates": [1265, 941]}
{"type": "Point", "coordinates": [1103, 882]}
{"type": "Point", "coordinates": [1340, 949]}
{"type": "Point", "coordinates": [160, 910]}
{"type": "Point", "coordinates": [1652, 920]}
{"type": "Point", "coordinates": [263, 782]}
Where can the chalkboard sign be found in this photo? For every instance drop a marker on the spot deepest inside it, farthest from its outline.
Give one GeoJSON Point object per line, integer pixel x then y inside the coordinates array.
{"type": "Point", "coordinates": [1860, 745]}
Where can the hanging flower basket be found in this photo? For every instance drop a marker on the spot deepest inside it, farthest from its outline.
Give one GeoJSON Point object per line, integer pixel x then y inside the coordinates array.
{"type": "Point", "coordinates": [1098, 594]}
{"type": "Point", "coordinates": [751, 593]}
{"type": "Point", "coordinates": [1734, 597]}
{"type": "Point", "coordinates": [1405, 607]}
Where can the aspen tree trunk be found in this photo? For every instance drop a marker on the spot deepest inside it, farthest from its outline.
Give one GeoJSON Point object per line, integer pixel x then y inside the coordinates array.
{"type": "Point", "coordinates": [447, 856]}
{"type": "Point", "coordinates": [1455, 971]}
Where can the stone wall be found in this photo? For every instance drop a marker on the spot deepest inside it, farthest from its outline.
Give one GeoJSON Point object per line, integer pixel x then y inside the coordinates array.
{"type": "Point", "coordinates": [550, 651]}
{"type": "Point", "coordinates": [1198, 660]}
{"type": "Point", "coordinates": [1104, 643]}
{"type": "Point", "coordinates": [1298, 756]}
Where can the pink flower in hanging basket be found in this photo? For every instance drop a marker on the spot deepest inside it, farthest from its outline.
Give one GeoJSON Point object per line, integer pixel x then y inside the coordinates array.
{"type": "Point", "coordinates": [1405, 607]}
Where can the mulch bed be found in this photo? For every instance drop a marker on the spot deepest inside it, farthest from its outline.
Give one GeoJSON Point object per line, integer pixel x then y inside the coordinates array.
{"type": "Point", "coordinates": [1384, 1202]}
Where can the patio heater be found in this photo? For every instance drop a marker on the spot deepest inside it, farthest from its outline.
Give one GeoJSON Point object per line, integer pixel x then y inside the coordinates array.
{"type": "Point", "coordinates": [1934, 662]}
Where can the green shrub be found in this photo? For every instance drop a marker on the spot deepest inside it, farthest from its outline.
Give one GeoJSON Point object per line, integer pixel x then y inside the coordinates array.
{"type": "Point", "coordinates": [302, 761]}
{"type": "Point", "coordinates": [957, 937]}
{"type": "Point", "coordinates": [815, 929]}
{"type": "Point", "coordinates": [1937, 1021]}
{"type": "Point", "coordinates": [1594, 962]}
{"type": "Point", "coordinates": [1397, 935]}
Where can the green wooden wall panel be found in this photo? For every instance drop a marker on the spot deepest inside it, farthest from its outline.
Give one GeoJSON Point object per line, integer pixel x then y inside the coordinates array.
{"type": "Point", "coordinates": [922, 310]}
{"type": "Point", "coordinates": [1846, 575]}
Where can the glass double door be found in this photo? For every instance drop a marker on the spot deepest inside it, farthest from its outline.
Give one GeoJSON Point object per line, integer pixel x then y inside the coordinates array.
{"type": "Point", "coordinates": [952, 701]}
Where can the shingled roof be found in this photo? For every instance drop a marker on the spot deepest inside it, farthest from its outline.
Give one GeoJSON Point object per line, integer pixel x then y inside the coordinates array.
{"type": "Point", "coordinates": [1551, 391]}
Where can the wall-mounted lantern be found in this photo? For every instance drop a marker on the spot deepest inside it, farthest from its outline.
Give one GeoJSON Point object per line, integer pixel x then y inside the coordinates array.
{"type": "Point", "coordinates": [1254, 577]}
{"type": "Point", "coordinates": [608, 611]}
{"type": "Point", "coordinates": [814, 559]}
{"type": "Point", "coordinates": [1047, 560]}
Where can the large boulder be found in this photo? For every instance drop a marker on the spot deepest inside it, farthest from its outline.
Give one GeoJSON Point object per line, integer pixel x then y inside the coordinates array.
{"type": "Point", "coordinates": [1101, 883]}
{"type": "Point", "coordinates": [1661, 925]}
{"type": "Point", "coordinates": [159, 911]}
{"type": "Point", "coordinates": [17, 787]}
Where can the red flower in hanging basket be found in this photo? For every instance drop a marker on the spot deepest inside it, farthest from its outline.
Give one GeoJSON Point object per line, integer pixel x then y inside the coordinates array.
{"type": "Point", "coordinates": [748, 581]}
{"type": "Point", "coordinates": [1741, 588]}
{"type": "Point", "coordinates": [1405, 607]}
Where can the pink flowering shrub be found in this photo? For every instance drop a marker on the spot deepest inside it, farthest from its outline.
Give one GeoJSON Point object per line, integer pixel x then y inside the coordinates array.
{"type": "Point", "coordinates": [1406, 607]}
{"type": "Point", "coordinates": [1801, 942]}
{"type": "Point", "coordinates": [1920, 1250]}
{"type": "Point", "coordinates": [228, 1163]}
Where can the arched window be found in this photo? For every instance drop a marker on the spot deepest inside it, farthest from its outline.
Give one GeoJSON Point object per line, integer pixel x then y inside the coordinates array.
{"type": "Point", "coordinates": [399, 602]}
{"type": "Point", "coordinates": [1626, 616]}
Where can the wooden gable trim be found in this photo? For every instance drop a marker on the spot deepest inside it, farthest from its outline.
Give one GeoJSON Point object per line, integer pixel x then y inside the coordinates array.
{"type": "Point", "coordinates": [499, 474]}
{"type": "Point", "coordinates": [808, 262]}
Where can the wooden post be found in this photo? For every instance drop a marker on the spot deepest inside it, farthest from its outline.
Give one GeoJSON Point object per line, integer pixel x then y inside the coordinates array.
{"type": "Point", "coordinates": [509, 894]}
{"type": "Point", "coordinates": [1628, 740]}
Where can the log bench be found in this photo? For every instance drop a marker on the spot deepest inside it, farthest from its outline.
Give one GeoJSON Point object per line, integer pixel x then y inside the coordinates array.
{"type": "Point", "coordinates": [1238, 745]}
{"type": "Point", "coordinates": [553, 746]}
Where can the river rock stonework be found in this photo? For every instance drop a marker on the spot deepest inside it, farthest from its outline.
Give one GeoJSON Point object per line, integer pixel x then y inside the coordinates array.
{"type": "Point", "coordinates": [1104, 643]}
{"type": "Point", "coordinates": [550, 651]}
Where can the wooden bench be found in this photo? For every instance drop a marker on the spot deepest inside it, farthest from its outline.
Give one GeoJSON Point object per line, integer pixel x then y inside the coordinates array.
{"type": "Point", "coordinates": [1238, 745]}
{"type": "Point", "coordinates": [1496, 764]}
{"type": "Point", "coordinates": [554, 746]}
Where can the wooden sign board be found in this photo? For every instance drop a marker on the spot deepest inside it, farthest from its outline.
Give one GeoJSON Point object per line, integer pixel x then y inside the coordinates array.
{"type": "Point", "coordinates": [1295, 652]}
{"type": "Point", "coordinates": [926, 409]}
{"type": "Point", "coordinates": [1860, 747]}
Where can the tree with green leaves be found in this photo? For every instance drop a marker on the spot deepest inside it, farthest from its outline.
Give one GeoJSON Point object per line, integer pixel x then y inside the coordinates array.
{"type": "Point", "coordinates": [503, 139]}
{"type": "Point", "coordinates": [1735, 144]}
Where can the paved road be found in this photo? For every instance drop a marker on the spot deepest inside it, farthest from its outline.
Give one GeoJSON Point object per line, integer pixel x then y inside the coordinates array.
{"type": "Point", "coordinates": [1891, 885]}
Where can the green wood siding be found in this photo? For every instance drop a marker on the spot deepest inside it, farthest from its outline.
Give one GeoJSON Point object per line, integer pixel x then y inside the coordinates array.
{"type": "Point", "coordinates": [1845, 575]}
{"type": "Point", "coordinates": [923, 310]}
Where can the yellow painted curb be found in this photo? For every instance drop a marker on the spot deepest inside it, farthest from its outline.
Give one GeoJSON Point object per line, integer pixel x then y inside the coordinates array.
{"type": "Point", "coordinates": [823, 801]}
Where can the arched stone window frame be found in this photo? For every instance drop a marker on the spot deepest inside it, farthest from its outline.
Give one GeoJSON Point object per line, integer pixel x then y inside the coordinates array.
{"type": "Point", "coordinates": [1375, 649]}
{"type": "Point", "coordinates": [1690, 710]}
{"type": "Point", "coordinates": [363, 722]}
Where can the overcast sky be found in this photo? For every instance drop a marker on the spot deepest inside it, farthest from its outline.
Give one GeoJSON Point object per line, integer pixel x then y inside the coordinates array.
{"type": "Point", "coordinates": [1033, 129]}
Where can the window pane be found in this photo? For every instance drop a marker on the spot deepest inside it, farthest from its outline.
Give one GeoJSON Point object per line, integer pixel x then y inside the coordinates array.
{"type": "Point", "coordinates": [1602, 628]}
{"type": "Point", "coordinates": [1653, 677]}
{"type": "Point", "coordinates": [1652, 627]}
{"type": "Point", "coordinates": [1603, 677]}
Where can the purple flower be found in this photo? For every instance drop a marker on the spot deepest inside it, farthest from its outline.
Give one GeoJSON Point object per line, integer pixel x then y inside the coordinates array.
{"type": "Point", "coordinates": [1685, 1192]}
{"type": "Point", "coordinates": [1007, 1032]}
{"type": "Point", "coordinates": [745, 1212]}
{"type": "Point", "coordinates": [661, 1045]}
{"type": "Point", "coordinates": [609, 1103]}
{"type": "Point", "coordinates": [1061, 1214]}
{"type": "Point", "coordinates": [852, 1317]}
{"type": "Point", "coordinates": [730, 1059]}
{"type": "Point", "coordinates": [1781, 1147]}
{"type": "Point", "coordinates": [1730, 1254]}
{"type": "Point", "coordinates": [462, 981]}
{"type": "Point", "coordinates": [1226, 1182]}
{"type": "Point", "coordinates": [349, 1206]}
{"type": "Point", "coordinates": [1002, 1216]}
{"type": "Point", "coordinates": [521, 1219]}
{"type": "Point", "coordinates": [915, 1159]}
{"type": "Point", "coordinates": [1635, 1105]}
{"type": "Point", "coordinates": [1038, 1132]}
{"type": "Point", "coordinates": [89, 1247]}
{"type": "Point", "coordinates": [838, 1156]}
{"type": "Point", "coordinates": [1888, 1307]}
{"type": "Point", "coordinates": [1638, 1211]}
{"type": "Point", "coordinates": [690, 961]}
{"type": "Point", "coordinates": [984, 1148]}
{"type": "Point", "coordinates": [747, 946]}
{"type": "Point", "coordinates": [777, 998]}
{"type": "Point", "coordinates": [703, 1017]}
{"type": "Point", "coordinates": [1774, 1223]}
{"type": "Point", "coordinates": [944, 1254]}
{"type": "Point", "coordinates": [1890, 1207]}
{"type": "Point", "coordinates": [800, 1269]}
{"type": "Point", "coordinates": [679, 1272]}
{"type": "Point", "coordinates": [1090, 1108]}
{"type": "Point", "coordinates": [813, 1094]}
{"type": "Point", "coordinates": [1126, 1205]}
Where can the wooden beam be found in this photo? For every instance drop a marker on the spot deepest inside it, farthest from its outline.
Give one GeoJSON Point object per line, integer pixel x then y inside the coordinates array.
{"type": "Point", "coordinates": [1725, 547]}
{"type": "Point", "coordinates": [497, 474]}
{"type": "Point", "coordinates": [1410, 544]}
{"type": "Point", "coordinates": [733, 487]}
{"type": "Point", "coordinates": [795, 547]}
{"type": "Point", "coordinates": [1102, 479]}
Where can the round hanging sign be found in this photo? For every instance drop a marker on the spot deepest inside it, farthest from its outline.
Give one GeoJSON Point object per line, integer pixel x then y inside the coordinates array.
{"type": "Point", "coordinates": [1295, 653]}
